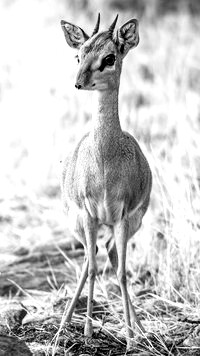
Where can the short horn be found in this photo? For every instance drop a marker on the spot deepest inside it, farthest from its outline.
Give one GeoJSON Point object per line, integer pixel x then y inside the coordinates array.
{"type": "Point", "coordinates": [112, 26]}
{"type": "Point", "coordinates": [96, 29]}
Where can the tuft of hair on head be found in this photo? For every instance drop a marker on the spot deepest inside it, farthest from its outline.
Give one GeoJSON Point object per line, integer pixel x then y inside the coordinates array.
{"type": "Point", "coordinates": [96, 29]}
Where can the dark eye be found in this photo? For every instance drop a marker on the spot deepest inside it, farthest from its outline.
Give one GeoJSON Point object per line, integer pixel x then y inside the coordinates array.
{"type": "Point", "coordinates": [110, 60]}
{"type": "Point", "coordinates": [107, 61]}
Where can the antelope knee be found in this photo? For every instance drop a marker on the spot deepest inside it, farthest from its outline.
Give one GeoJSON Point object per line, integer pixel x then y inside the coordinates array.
{"type": "Point", "coordinates": [121, 276]}
{"type": "Point", "coordinates": [92, 272]}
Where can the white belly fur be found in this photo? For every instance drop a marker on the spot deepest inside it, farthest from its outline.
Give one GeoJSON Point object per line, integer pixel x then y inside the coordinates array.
{"type": "Point", "coordinates": [108, 210]}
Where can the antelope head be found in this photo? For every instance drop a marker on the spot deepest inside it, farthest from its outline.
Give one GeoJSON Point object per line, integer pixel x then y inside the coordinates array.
{"type": "Point", "coordinates": [100, 55]}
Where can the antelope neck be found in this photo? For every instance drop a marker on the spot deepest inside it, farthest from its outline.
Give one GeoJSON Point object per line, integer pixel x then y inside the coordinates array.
{"type": "Point", "coordinates": [105, 116]}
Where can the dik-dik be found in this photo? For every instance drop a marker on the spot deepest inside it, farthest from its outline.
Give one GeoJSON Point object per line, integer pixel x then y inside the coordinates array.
{"type": "Point", "coordinates": [106, 179]}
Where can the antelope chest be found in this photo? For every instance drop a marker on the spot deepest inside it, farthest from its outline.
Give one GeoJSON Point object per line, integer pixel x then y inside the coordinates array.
{"type": "Point", "coordinates": [103, 193]}
{"type": "Point", "coordinates": [99, 182]}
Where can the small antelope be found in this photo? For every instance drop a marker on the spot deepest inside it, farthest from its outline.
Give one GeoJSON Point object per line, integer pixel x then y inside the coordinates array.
{"type": "Point", "coordinates": [106, 179]}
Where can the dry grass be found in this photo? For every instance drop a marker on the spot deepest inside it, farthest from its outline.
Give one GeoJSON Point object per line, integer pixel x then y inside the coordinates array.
{"type": "Point", "coordinates": [42, 116]}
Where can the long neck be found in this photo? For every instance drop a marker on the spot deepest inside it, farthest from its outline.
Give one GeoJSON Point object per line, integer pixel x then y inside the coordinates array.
{"type": "Point", "coordinates": [105, 114]}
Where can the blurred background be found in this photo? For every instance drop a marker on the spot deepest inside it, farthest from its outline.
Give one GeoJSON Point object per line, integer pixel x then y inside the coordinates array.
{"type": "Point", "coordinates": [42, 115]}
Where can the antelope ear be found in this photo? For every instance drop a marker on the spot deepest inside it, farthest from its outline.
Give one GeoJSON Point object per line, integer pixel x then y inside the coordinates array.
{"type": "Point", "coordinates": [128, 36]}
{"type": "Point", "coordinates": [74, 35]}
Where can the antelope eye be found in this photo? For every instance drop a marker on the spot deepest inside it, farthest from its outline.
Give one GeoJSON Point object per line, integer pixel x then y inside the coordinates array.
{"type": "Point", "coordinates": [110, 59]}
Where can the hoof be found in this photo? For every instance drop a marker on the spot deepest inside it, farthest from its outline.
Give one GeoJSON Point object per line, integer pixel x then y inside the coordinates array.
{"type": "Point", "coordinates": [88, 330]}
{"type": "Point", "coordinates": [131, 344]}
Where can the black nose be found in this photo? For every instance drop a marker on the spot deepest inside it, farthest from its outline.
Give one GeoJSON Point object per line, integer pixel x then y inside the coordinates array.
{"type": "Point", "coordinates": [78, 86]}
